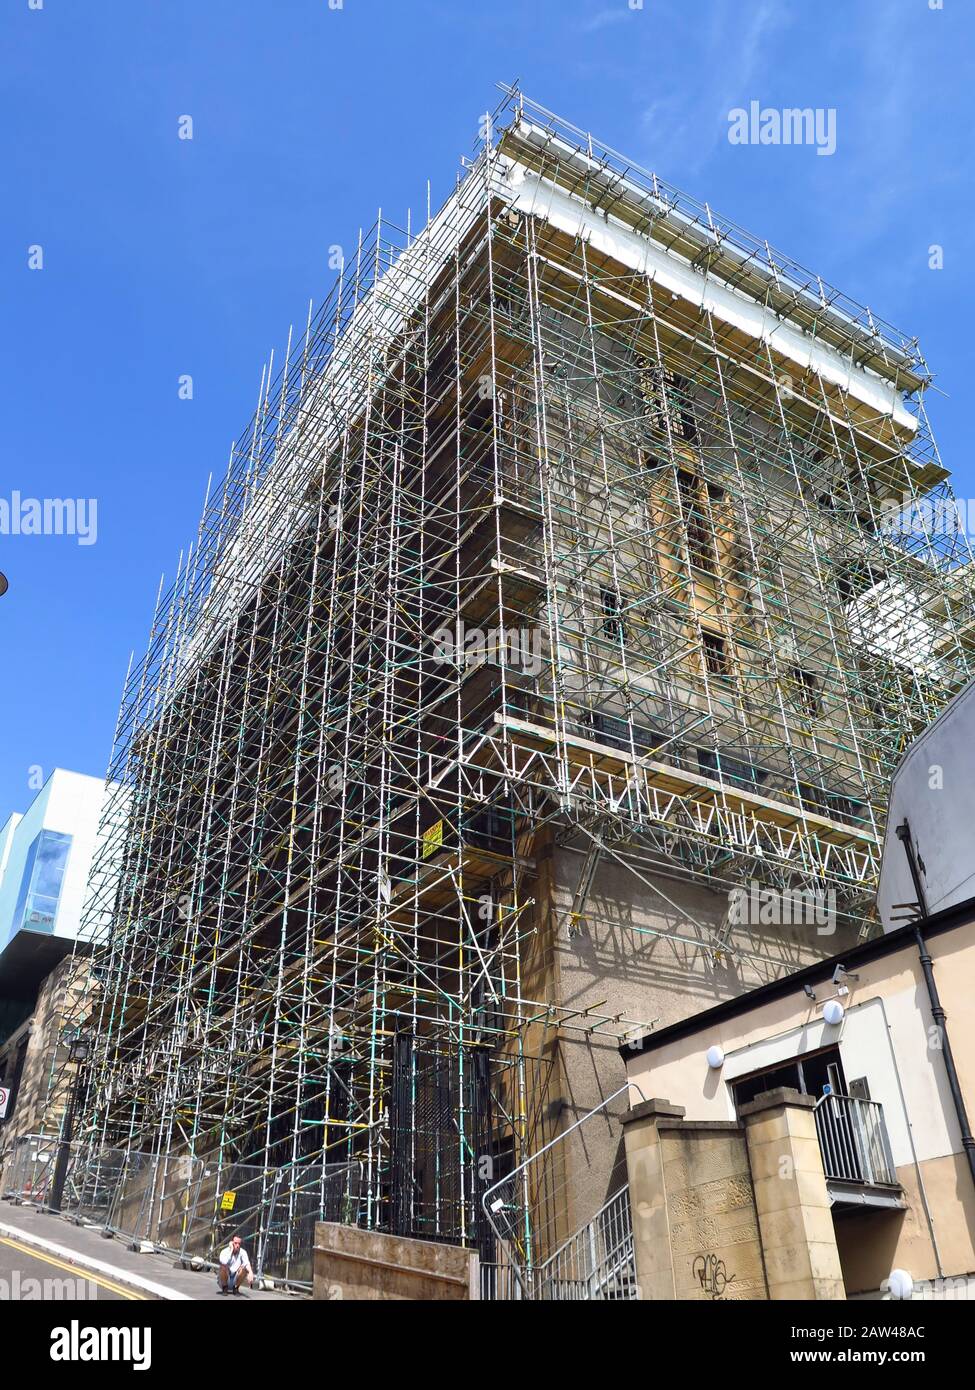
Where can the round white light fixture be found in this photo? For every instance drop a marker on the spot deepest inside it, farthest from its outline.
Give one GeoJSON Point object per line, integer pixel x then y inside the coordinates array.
{"type": "Point", "coordinates": [900, 1284]}
{"type": "Point", "coordinates": [715, 1057]}
{"type": "Point", "coordinates": [833, 1011]}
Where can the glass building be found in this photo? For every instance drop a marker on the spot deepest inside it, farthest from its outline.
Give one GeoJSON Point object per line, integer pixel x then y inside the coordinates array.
{"type": "Point", "coordinates": [45, 857]}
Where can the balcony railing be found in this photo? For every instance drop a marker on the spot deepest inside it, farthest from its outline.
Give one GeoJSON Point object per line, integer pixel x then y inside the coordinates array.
{"type": "Point", "coordinates": [853, 1141]}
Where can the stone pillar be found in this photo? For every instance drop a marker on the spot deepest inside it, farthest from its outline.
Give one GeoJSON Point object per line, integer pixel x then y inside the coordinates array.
{"type": "Point", "coordinates": [798, 1239]}
{"type": "Point", "coordinates": [695, 1227]}
{"type": "Point", "coordinates": [651, 1230]}
{"type": "Point", "coordinates": [648, 1197]}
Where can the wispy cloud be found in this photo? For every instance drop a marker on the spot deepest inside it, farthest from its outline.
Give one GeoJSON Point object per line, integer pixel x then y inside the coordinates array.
{"type": "Point", "coordinates": [685, 127]}
{"type": "Point", "coordinates": [873, 184]}
{"type": "Point", "coordinates": [602, 19]}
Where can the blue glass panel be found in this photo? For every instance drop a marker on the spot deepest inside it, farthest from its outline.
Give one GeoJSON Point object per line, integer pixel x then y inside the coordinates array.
{"type": "Point", "coordinates": [25, 879]}
{"type": "Point", "coordinates": [40, 887]}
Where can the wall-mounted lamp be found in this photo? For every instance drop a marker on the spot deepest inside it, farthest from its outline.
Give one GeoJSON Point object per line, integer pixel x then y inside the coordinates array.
{"type": "Point", "coordinates": [833, 1011]}
{"type": "Point", "coordinates": [715, 1057]}
{"type": "Point", "coordinates": [79, 1048]}
{"type": "Point", "coordinates": [840, 972]}
{"type": "Point", "coordinates": [900, 1284]}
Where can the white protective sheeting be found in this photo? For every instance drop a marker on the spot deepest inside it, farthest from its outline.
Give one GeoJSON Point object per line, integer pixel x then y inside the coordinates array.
{"type": "Point", "coordinates": [542, 198]}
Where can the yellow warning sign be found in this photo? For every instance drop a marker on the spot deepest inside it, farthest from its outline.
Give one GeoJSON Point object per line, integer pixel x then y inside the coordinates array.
{"type": "Point", "coordinates": [432, 838]}
{"type": "Point", "coordinates": [227, 1201]}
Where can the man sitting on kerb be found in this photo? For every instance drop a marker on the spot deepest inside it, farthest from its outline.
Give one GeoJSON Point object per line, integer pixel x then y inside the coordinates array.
{"type": "Point", "coordinates": [234, 1267]}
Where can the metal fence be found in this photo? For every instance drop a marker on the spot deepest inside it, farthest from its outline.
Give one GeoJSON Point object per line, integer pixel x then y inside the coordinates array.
{"type": "Point", "coordinates": [154, 1198]}
{"type": "Point", "coordinates": [853, 1140]}
{"type": "Point", "coordinates": [499, 1283]}
{"type": "Point", "coordinates": [184, 1206]}
{"type": "Point", "coordinates": [302, 1196]}
{"type": "Point", "coordinates": [596, 1264]}
{"type": "Point", "coordinates": [29, 1168]}
{"type": "Point", "coordinates": [190, 1207]}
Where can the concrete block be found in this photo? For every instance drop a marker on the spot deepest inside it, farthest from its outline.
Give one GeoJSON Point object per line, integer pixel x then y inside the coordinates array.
{"type": "Point", "coordinates": [350, 1263]}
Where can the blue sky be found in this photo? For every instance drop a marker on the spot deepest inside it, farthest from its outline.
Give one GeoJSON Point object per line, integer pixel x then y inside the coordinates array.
{"type": "Point", "coordinates": [164, 257]}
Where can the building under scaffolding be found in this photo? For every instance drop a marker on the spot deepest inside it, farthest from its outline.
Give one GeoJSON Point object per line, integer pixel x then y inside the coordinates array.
{"type": "Point", "coordinates": [551, 594]}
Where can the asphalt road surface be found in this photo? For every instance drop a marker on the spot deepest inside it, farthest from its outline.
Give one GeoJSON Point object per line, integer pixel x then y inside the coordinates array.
{"type": "Point", "coordinates": [29, 1274]}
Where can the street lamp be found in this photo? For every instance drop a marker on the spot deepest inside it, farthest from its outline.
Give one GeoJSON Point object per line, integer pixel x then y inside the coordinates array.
{"type": "Point", "coordinates": [79, 1051]}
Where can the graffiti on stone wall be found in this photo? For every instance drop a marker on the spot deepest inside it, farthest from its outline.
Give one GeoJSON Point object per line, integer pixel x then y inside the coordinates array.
{"type": "Point", "coordinates": [712, 1274]}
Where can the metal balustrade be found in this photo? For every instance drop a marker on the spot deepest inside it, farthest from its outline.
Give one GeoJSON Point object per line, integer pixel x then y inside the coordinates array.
{"type": "Point", "coordinates": [853, 1140]}
{"type": "Point", "coordinates": [597, 1263]}
{"type": "Point", "coordinates": [523, 1209]}
{"type": "Point", "coordinates": [594, 1264]}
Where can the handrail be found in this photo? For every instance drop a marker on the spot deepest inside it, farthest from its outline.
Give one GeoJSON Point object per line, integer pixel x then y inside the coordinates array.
{"type": "Point", "coordinates": [517, 1239]}
{"type": "Point", "coordinates": [599, 1258]}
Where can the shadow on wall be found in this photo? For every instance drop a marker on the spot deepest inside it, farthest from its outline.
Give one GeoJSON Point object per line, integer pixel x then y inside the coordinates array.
{"type": "Point", "coordinates": [867, 1243]}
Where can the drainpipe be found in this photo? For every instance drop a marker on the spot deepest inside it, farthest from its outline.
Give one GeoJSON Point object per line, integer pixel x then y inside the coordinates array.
{"type": "Point", "coordinates": [937, 1012]}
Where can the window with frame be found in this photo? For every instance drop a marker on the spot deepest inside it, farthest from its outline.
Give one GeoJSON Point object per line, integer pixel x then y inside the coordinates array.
{"type": "Point", "coordinates": [614, 625]}
{"type": "Point", "coordinates": [694, 498]}
{"type": "Point", "coordinates": [805, 690]}
{"type": "Point", "coordinates": [667, 403]}
{"type": "Point", "coordinates": [716, 659]}
{"type": "Point", "coordinates": [809, 1074]}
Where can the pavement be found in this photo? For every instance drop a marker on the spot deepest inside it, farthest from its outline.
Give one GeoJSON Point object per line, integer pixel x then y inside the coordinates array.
{"type": "Point", "coordinates": [40, 1245]}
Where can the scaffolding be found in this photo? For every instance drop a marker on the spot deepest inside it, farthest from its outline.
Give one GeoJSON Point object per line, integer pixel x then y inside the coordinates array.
{"type": "Point", "coordinates": [566, 520]}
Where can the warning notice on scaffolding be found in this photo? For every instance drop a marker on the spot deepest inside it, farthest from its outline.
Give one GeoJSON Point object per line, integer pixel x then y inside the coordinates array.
{"type": "Point", "coordinates": [228, 1201]}
{"type": "Point", "coordinates": [432, 838]}
{"type": "Point", "coordinates": [4, 1101]}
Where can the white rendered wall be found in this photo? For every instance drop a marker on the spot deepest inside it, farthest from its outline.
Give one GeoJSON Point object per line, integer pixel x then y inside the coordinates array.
{"type": "Point", "coordinates": [69, 803]}
{"type": "Point", "coordinates": [934, 789]}
{"type": "Point", "coordinates": [872, 1034]}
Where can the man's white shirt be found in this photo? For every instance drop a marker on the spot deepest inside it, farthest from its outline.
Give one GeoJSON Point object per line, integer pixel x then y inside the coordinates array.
{"type": "Point", "coordinates": [232, 1261]}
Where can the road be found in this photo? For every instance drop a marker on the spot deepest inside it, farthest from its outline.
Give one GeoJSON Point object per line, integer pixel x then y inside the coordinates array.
{"type": "Point", "coordinates": [29, 1274]}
